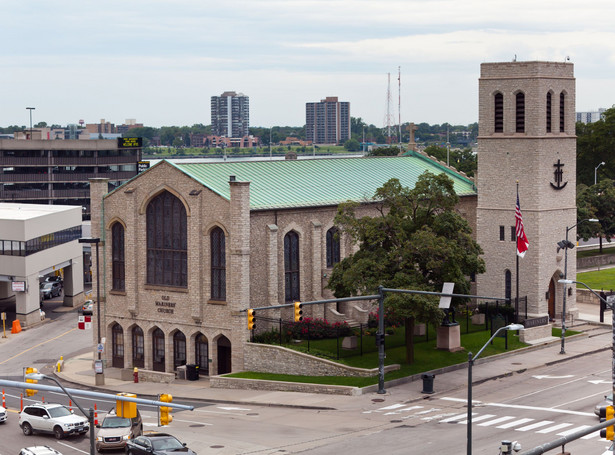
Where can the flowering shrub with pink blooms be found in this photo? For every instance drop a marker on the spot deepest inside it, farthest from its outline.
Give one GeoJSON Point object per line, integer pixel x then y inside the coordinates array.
{"type": "Point", "coordinates": [318, 329]}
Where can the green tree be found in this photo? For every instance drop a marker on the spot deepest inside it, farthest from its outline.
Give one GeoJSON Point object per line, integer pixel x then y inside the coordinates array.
{"type": "Point", "coordinates": [352, 145]}
{"type": "Point", "coordinates": [416, 241]}
{"type": "Point", "coordinates": [595, 144]}
{"type": "Point", "coordinates": [596, 201]}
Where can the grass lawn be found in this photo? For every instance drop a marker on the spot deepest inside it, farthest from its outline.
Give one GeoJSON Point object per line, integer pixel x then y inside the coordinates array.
{"type": "Point", "coordinates": [598, 279]}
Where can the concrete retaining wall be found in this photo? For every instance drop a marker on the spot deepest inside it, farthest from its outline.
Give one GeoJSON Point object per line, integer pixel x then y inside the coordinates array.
{"type": "Point", "coordinates": [267, 358]}
{"type": "Point", "coordinates": [222, 382]}
{"type": "Point", "coordinates": [595, 261]}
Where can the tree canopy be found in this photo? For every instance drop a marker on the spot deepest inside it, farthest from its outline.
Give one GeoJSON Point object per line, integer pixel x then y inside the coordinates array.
{"type": "Point", "coordinates": [596, 201]}
{"type": "Point", "coordinates": [416, 241]}
{"type": "Point", "coordinates": [595, 144]}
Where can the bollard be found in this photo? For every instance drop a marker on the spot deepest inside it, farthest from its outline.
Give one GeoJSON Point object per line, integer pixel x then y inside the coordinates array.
{"type": "Point", "coordinates": [135, 374]}
{"type": "Point", "coordinates": [427, 383]}
{"type": "Point", "coordinates": [3, 399]}
{"type": "Point", "coordinates": [21, 402]}
{"type": "Point", "coordinates": [70, 404]}
{"type": "Point", "coordinates": [95, 415]}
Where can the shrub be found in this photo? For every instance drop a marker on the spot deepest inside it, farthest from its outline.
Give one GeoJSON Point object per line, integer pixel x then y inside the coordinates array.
{"type": "Point", "coordinates": [317, 329]}
{"type": "Point", "coordinates": [391, 318]}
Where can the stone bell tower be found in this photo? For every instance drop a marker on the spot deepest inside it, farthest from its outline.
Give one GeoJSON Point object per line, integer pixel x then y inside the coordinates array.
{"type": "Point", "coordinates": [527, 136]}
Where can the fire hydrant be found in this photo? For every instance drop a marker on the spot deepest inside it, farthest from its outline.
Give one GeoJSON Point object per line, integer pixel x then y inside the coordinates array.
{"type": "Point", "coordinates": [135, 374]}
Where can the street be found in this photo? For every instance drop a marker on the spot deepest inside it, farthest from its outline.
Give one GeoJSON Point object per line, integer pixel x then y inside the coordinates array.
{"type": "Point", "coordinates": [533, 407]}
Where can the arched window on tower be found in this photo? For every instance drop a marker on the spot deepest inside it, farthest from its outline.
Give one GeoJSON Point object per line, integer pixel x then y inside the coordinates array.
{"type": "Point", "coordinates": [548, 112]}
{"type": "Point", "coordinates": [520, 113]}
{"type": "Point", "coordinates": [498, 112]}
{"type": "Point", "coordinates": [562, 110]}
{"type": "Point", "coordinates": [507, 284]}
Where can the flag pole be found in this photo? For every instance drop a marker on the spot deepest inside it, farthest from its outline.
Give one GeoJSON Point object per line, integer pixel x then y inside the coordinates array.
{"type": "Point", "coordinates": [517, 272]}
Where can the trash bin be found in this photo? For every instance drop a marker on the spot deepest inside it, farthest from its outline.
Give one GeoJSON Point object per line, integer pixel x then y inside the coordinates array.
{"type": "Point", "coordinates": [182, 372]}
{"type": "Point", "coordinates": [192, 372]}
{"type": "Point", "coordinates": [427, 383]}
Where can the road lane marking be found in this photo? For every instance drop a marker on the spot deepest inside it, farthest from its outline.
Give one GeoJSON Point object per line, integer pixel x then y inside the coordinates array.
{"type": "Point", "coordinates": [74, 448]}
{"type": "Point", "coordinates": [595, 434]}
{"type": "Point", "coordinates": [516, 423]}
{"type": "Point", "coordinates": [574, 430]}
{"type": "Point", "coordinates": [457, 417]}
{"type": "Point", "coordinates": [533, 426]}
{"type": "Point", "coordinates": [529, 408]}
{"type": "Point", "coordinates": [555, 428]}
{"type": "Point", "coordinates": [192, 421]}
{"type": "Point", "coordinates": [37, 345]}
{"type": "Point", "coordinates": [496, 421]}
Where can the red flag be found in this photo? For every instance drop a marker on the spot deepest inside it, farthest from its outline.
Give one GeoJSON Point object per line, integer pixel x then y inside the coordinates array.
{"type": "Point", "coordinates": [522, 242]}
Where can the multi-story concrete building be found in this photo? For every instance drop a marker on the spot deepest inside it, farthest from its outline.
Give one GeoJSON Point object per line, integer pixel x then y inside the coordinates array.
{"type": "Point", "coordinates": [230, 114]}
{"type": "Point", "coordinates": [590, 117]}
{"type": "Point", "coordinates": [328, 121]}
{"type": "Point", "coordinates": [57, 171]}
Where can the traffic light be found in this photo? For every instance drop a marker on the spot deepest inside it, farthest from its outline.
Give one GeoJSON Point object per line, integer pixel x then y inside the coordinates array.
{"type": "Point", "coordinates": [30, 392]}
{"type": "Point", "coordinates": [251, 319]}
{"type": "Point", "coordinates": [126, 409]}
{"type": "Point", "coordinates": [165, 411]}
{"type": "Point", "coordinates": [607, 413]}
{"type": "Point", "coordinates": [298, 312]}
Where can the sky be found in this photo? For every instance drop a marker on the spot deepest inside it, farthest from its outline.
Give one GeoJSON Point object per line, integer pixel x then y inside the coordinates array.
{"type": "Point", "coordinates": [160, 61]}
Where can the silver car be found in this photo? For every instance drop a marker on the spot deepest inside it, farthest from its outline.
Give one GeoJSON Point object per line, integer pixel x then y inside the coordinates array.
{"type": "Point", "coordinates": [608, 401]}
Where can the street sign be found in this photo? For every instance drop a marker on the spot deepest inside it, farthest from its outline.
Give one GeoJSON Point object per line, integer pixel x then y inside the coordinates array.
{"type": "Point", "coordinates": [100, 347]}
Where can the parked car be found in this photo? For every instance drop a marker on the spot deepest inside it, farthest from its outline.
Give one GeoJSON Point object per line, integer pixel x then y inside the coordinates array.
{"type": "Point", "coordinates": [88, 307]}
{"type": "Point", "coordinates": [114, 431]}
{"type": "Point", "coordinates": [3, 415]}
{"type": "Point", "coordinates": [39, 450]}
{"type": "Point", "coordinates": [608, 401]}
{"type": "Point", "coordinates": [157, 444]}
{"type": "Point", "coordinates": [55, 279]}
{"type": "Point", "coordinates": [50, 289]}
{"type": "Point", "coordinates": [52, 418]}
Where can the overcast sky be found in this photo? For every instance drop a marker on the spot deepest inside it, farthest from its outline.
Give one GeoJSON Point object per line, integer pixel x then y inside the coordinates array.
{"type": "Point", "coordinates": [160, 61]}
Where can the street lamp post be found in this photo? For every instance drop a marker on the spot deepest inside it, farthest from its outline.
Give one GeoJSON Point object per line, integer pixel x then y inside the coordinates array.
{"type": "Point", "coordinates": [567, 245]}
{"type": "Point", "coordinates": [30, 109]}
{"type": "Point", "coordinates": [89, 415]}
{"type": "Point", "coordinates": [100, 377]}
{"type": "Point", "coordinates": [609, 306]}
{"type": "Point", "coordinates": [470, 364]}
{"type": "Point", "coordinates": [596, 172]}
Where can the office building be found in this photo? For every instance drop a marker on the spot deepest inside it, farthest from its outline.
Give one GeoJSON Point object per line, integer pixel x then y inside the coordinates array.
{"type": "Point", "coordinates": [57, 171]}
{"type": "Point", "coordinates": [327, 122]}
{"type": "Point", "coordinates": [590, 117]}
{"type": "Point", "coordinates": [230, 115]}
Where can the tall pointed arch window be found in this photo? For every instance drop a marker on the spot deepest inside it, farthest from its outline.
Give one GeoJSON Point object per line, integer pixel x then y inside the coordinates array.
{"type": "Point", "coordinates": [218, 264]}
{"type": "Point", "coordinates": [498, 108]}
{"type": "Point", "coordinates": [520, 112]}
{"type": "Point", "coordinates": [549, 112]}
{"type": "Point", "coordinates": [117, 253]}
{"type": "Point", "coordinates": [507, 284]}
{"type": "Point", "coordinates": [291, 266]}
{"type": "Point", "coordinates": [562, 111]}
{"type": "Point", "coordinates": [333, 247]}
{"type": "Point", "coordinates": [167, 241]}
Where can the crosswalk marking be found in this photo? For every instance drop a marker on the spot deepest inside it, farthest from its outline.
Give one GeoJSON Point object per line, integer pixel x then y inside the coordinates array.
{"type": "Point", "coordinates": [478, 419]}
{"type": "Point", "coordinates": [574, 430]}
{"type": "Point", "coordinates": [533, 426]}
{"type": "Point", "coordinates": [515, 423]}
{"type": "Point", "coordinates": [555, 428]}
{"type": "Point", "coordinates": [495, 421]}
{"type": "Point", "coordinates": [595, 434]}
{"type": "Point", "coordinates": [457, 417]}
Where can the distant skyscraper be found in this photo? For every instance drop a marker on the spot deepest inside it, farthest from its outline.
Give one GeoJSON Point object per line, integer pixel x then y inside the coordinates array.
{"type": "Point", "coordinates": [230, 114]}
{"type": "Point", "coordinates": [327, 122]}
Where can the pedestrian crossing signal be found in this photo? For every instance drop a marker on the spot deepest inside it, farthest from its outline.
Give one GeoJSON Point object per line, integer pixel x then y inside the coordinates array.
{"type": "Point", "coordinates": [298, 312]}
{"type": "Point", "coordinates": [607, 413]}
{"type": "Point", "coordinates": [251, 319]}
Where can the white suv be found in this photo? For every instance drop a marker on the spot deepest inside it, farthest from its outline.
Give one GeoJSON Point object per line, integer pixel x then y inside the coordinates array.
{"type": "Point", "coordinates": [51, 418]}
{"type": "Point", "coordinates": [39, 450]}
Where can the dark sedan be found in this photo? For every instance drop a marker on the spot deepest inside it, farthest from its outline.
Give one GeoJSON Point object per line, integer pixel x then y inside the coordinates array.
{"type": "Point", "coordinates": [157, 444]}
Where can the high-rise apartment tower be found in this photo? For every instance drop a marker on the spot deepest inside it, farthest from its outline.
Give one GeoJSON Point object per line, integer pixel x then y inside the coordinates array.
{"type": "Point", "coordinates": [230, 114]}
{"type": "Point", "coordinates": [327, 122]}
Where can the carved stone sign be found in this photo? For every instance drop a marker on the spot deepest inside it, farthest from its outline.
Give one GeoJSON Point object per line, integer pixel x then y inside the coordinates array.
{"type": "Point", "coordinates": [165, 305]}
{"type": "Point", "coordinates": [535, 322]}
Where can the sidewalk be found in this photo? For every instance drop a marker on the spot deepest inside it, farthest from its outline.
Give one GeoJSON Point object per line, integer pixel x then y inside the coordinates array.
{"type": "Point", "coordinates": [595, 337]}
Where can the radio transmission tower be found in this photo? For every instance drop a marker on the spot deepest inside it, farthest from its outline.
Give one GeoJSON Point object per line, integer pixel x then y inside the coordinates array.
{"type": "Point", "coordinates": [388, 119]}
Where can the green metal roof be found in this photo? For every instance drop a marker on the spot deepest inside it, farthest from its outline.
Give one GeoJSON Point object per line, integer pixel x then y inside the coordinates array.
{"type": "Point", "coordinates": [317, 182]}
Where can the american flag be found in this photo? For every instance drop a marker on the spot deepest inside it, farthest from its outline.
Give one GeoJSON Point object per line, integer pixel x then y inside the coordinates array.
{"type": "Point", "coordinates": [522, 242]}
